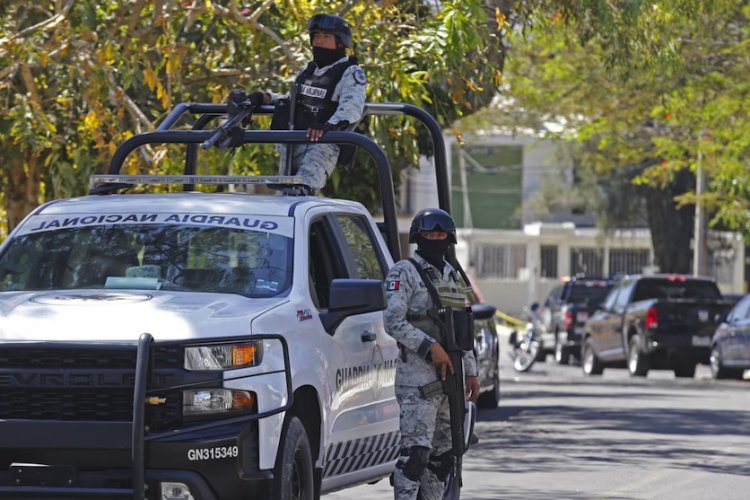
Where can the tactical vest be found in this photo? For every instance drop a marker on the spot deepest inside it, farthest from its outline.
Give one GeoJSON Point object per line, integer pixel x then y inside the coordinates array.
{"type": "Point", "coordinates": [314, 97]}
{"type": "Point", "coordinates": [450, 296]}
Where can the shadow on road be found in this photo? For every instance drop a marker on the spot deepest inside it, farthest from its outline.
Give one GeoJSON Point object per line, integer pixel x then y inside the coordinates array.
{"type": "Point", "coordinates": [559, 438]}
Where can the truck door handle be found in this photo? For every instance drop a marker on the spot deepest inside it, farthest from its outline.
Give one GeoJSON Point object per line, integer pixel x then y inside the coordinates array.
{"type": "Point", "coordinates": [369, 336]}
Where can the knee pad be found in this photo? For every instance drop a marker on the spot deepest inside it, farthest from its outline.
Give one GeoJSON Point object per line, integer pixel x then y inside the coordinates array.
{"type": "Point", "coordinates": [441, 465]}
{"type": "Point", "coordinates": [417, 462]}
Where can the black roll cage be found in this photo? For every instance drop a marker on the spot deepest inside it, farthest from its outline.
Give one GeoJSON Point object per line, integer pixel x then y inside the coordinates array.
{"type": "Point", "coordinates": [206, 112]}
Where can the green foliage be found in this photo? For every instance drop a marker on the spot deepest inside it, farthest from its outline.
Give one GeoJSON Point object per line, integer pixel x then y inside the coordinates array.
{"type": "Point", "coordinates": [645, 89]}
{"type": "Point", "coordinates": [79, 77]}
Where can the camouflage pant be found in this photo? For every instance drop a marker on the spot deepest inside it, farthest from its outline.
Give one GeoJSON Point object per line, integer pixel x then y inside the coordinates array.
{"type": "Point", "coordinates": [424, 422]}
{"type": "Point", "coordinates": [313, 162]}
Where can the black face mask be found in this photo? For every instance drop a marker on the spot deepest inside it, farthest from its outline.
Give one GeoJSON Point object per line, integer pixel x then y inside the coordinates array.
{"type": "Point", "coordinates": [325, 57]}
{"type": "Point", "coordinates": [433, 251]}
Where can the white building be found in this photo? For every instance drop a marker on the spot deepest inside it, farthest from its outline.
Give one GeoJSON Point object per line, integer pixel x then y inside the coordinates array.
{"type": "Point", "coordinates": [514, 259]}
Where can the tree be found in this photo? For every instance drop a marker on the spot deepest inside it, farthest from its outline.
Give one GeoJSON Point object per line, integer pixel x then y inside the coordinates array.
{"type": "Point", "coordinates": [79, 77]}
{"type": "Point", "coordinates": [642, 87]}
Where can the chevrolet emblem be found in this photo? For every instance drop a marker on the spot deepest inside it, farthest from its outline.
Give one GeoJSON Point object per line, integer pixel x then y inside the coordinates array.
{"type": "Point", "coordinates": [155, 400]}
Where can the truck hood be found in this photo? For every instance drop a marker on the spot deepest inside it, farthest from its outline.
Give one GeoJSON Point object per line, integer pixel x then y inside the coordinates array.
{"type": "Point", "coordinates": [122, 316]}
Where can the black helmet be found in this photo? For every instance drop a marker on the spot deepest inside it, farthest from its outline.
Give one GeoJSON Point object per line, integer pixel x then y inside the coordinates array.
{"type": "Point", "coordinates": [432, 219]}
{"type": "Point", "coordinates": [332, 24]}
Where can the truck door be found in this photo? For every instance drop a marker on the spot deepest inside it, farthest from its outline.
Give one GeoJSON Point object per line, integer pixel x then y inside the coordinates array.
{"type": "Point", "coordinates": [736, 345]}
{"type": "Point", "coordinates": [363, 423]}
{"type": "Point", "coordinates": [614, 345]}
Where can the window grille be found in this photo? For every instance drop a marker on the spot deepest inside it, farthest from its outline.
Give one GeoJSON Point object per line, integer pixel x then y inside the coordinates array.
{"type": "Point", "coordinates": [500, 261]}
{"type": "Point", "coordinates": [628, 260]}
{"type": "Point", "coordinates": [549, 261]}
{"type": "Point", "coordinates": [586, 262]}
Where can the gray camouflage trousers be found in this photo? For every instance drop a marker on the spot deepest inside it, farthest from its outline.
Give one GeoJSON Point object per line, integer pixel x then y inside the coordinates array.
{"type": "Point", "coordinates": [313, 162]}
{"type": "Point", "coordinates": [423, 422]}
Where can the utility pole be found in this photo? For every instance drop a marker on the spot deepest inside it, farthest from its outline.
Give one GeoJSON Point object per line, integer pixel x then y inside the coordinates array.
{"type": "Point", "coordinates": [700, 250]}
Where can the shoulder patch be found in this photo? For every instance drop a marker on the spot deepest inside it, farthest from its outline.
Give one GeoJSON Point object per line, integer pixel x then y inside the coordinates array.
{"type": "Point", "coordinates": [359, 76]}
{"type": "Point", "coordinates": [392, 285]}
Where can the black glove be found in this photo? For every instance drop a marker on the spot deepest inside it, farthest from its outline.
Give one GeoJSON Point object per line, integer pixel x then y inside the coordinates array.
{"type": "Point", "coordinates": [325, 127]}
{"type": "Point", "coordinates": [256, 98]}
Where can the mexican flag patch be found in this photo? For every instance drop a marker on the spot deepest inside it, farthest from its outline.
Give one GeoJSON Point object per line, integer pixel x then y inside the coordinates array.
{"type": "Point", "coordinates": [392, 286]}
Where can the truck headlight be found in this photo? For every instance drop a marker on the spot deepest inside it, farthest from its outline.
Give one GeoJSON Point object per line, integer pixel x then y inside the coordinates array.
{"type": "Point", "coordinates": [200, 402]}
{"type": "Point", "coordinates": [223, 356]}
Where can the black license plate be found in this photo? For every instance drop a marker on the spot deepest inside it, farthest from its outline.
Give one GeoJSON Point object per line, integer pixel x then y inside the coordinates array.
{"type": "Point", "coordinates": [42, 475]}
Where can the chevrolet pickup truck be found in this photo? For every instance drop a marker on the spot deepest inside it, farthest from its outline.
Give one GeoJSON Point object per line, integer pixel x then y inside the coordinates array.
{"type": "Point", "coordinates": [191, 345]}
{"type": "Point", "coordinates": [654, 322]}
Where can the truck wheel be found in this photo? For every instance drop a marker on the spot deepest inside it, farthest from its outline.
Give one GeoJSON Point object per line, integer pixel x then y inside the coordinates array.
{"type": "Point", "coordinates": [685, 369]}
{"type": "Point", "coordinates": [293, 475]}
{"type": "Point", "coordinates": [590, 363]}
{"type": "Point", "coordinates": [718, 370]}
{"type": "Point", "coordinates": [451, 488]}
{"type": "Point", "coordinates": [637, 362]}
{"type": "Point", "coordinates": [490, 399]}
{"type": "Point", "coordinates": [562, 354]}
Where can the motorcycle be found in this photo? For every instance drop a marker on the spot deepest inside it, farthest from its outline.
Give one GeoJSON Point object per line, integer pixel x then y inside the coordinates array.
{"type": "Point", "coordinates": [525, 348]}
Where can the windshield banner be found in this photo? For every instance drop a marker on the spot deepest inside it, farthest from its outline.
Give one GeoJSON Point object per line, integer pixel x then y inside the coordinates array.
{"type": "Point", "coordinates": [267, 224]}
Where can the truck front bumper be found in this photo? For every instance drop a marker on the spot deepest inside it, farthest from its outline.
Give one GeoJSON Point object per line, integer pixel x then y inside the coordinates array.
{"type": "Point", "coordinates": [212, 464]}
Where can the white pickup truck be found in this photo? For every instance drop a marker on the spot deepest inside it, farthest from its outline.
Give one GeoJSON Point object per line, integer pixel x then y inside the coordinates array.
{"type": "Point", "coordinates": [196, 345]}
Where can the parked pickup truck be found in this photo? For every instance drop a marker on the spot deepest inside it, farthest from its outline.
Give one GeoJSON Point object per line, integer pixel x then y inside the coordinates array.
{"type": "Point", "coordinates": [654, 322]}
{"type": "Point", "coordinates": [565, 312]}
{"type": "Point", "coordinates": [203, 346]}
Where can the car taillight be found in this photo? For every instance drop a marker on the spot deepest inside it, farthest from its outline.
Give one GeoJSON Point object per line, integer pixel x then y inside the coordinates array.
{"type": "Point", "coordinates": [652, 318]}
{"type": "Point", "coordinates": [568, 320]}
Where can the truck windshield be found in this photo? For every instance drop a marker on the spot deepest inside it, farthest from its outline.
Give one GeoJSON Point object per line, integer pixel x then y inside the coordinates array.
{"type": "Point", "coordinates": [149, 256]}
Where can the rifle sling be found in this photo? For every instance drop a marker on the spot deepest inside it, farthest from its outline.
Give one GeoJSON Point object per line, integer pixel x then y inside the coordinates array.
{"type": "Point", "coordinates": [434, 295]}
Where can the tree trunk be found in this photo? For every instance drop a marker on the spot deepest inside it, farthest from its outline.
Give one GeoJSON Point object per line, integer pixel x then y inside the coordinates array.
{"type": "Point", "coordinates": [671, 227]}
{"type": "Point", "coordinates": [21, 188]}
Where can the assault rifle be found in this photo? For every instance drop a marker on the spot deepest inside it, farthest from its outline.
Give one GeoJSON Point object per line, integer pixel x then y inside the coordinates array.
{"type": "Point", "coordinates": [239, 107]}
{"type": "Point", "coordinates": [455, 325]}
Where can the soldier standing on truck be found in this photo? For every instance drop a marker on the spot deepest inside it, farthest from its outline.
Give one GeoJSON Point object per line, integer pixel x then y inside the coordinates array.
{"type": "Point", "coordinates": [426, 459]}
{"type": "Point", "coordinates": [329, 94]}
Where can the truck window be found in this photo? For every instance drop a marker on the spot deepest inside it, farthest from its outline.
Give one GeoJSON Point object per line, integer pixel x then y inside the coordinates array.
{"type": "Point", "coordinates": [623, 297]}
{"type": "Point", "coordinates": [588, 293]}
{"type": "Point", "coordinates": [172, 257]}
{"type": "Point", "coordinates": [361, 247]}
{"type": "Point", "coordinates": [325, 262]}
{"type": "Point", "coordinates": [609, 302]}
{"type": "Point", "coordinates": [665, 288]}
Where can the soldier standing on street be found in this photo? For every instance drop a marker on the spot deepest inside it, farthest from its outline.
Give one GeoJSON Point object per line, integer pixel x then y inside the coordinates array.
{"type": "Point", "coordinates": [329, 95]}
{"type": "Point", "coordinates": [426, 458]}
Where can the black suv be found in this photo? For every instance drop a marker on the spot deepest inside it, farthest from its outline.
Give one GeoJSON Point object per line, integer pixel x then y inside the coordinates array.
{"type": "Point", "coordinates": [565, 311]}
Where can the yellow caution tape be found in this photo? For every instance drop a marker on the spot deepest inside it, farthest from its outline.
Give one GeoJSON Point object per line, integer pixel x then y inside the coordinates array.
{"type": "Point", "coordinates": [510, 319]}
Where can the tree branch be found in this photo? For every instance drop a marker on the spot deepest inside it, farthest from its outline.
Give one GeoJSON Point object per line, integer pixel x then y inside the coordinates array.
{"type": "Point", "coordinates": [49, 23]}
{"type": "Point", "coordinates": [28, 81]}
{"type": "Point", "coordinates": [233, 13]}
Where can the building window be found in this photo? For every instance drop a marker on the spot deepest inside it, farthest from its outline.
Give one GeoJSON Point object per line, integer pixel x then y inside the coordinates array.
{"type": "Point", "coordinates": [628, 260]}
{"type": "Point", "coordinates": [500, 261]}
{"type": "Point", "coordinates": [586, 262]}
{"type": "Point", "coordinates": [549, 261]}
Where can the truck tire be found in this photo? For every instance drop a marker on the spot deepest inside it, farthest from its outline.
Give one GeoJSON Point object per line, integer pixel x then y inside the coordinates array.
{"type": "Point", "coordinates": [293, 475]}
{"type": "Point", "coordinates": [638, 364]}
{"type": "Point", "coordinates": [562, 353]}
{"type": "Point", "coordinates": [718, 370]}
{"type": "Point", "coordinates": [590, 363]}
{"type": "Point", "coordinates": [490, 399]}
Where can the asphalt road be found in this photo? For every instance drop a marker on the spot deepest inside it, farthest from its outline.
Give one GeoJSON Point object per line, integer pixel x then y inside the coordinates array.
{"type": "Point", "coordinates": [560, 435]}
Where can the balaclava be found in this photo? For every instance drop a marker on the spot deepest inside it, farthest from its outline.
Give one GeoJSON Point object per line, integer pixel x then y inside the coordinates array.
{"type": "Point", "coordinates": [325, 57]}
{"type": "Point", "coordinates": [433, 251]}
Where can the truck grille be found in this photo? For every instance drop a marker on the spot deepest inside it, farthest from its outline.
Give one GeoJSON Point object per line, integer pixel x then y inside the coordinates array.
{"type": "Point", "coordinates": [25, 395]}
{"type": "Point", "coordinates": [165, 357]}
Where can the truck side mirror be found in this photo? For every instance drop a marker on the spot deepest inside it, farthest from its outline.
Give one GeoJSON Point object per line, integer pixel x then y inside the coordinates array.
{"type": "Point", "coordinates": [483, 311]}
{"type": "Point", "coordinates": [349, 297]}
